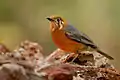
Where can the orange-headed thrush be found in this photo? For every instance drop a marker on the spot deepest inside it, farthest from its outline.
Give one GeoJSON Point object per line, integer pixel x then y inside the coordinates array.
{"type": "Point", "coordinates": [69, 39]}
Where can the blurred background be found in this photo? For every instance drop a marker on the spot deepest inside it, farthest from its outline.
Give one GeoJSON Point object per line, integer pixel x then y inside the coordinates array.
{"type": "Point", "coordinates": [26, 20]}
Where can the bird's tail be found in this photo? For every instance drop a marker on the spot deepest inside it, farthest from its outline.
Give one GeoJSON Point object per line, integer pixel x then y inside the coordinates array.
{"type": "Point", "coordinates": [104, 54]}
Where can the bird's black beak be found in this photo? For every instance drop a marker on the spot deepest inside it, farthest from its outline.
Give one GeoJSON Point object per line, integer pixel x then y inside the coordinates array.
{"type": "Point", "coordinates": [50, 19]}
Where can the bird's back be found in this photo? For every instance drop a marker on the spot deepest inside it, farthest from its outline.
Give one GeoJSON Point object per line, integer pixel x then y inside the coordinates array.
{"type": "Point", "coordinates": [78, 36]}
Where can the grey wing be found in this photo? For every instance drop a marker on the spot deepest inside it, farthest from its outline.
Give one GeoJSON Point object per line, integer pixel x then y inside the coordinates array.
{"type": "Point", "coordinates": [74, 34]}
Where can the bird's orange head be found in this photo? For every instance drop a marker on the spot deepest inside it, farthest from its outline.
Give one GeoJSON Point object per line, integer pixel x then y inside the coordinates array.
{"type": "Point", "coordinates": [56, 23]}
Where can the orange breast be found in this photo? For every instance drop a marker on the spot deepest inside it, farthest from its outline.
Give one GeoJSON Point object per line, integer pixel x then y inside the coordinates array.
{"type": "Point", "coordinates": [65, 43]}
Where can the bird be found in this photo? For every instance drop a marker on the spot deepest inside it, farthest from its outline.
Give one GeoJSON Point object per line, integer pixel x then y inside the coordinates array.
{"type": "Point", "coordinates": [70, 39]}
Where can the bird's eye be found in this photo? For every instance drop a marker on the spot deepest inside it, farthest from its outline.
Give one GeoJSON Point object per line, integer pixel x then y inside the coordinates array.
{"type": "Point", "coordinates": [57, 20]}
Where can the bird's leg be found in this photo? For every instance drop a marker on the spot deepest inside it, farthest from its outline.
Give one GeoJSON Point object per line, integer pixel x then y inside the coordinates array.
{"type": "Point", "coordinates": [68, 57]}
{"type": "Point", "coordinates": [75, 56]}
{"type": "Point", "coordinates": [78, 52]}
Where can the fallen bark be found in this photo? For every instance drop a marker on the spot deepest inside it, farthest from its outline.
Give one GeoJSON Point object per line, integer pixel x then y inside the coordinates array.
{"type": "Point", "coordinates": [27, 62]}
